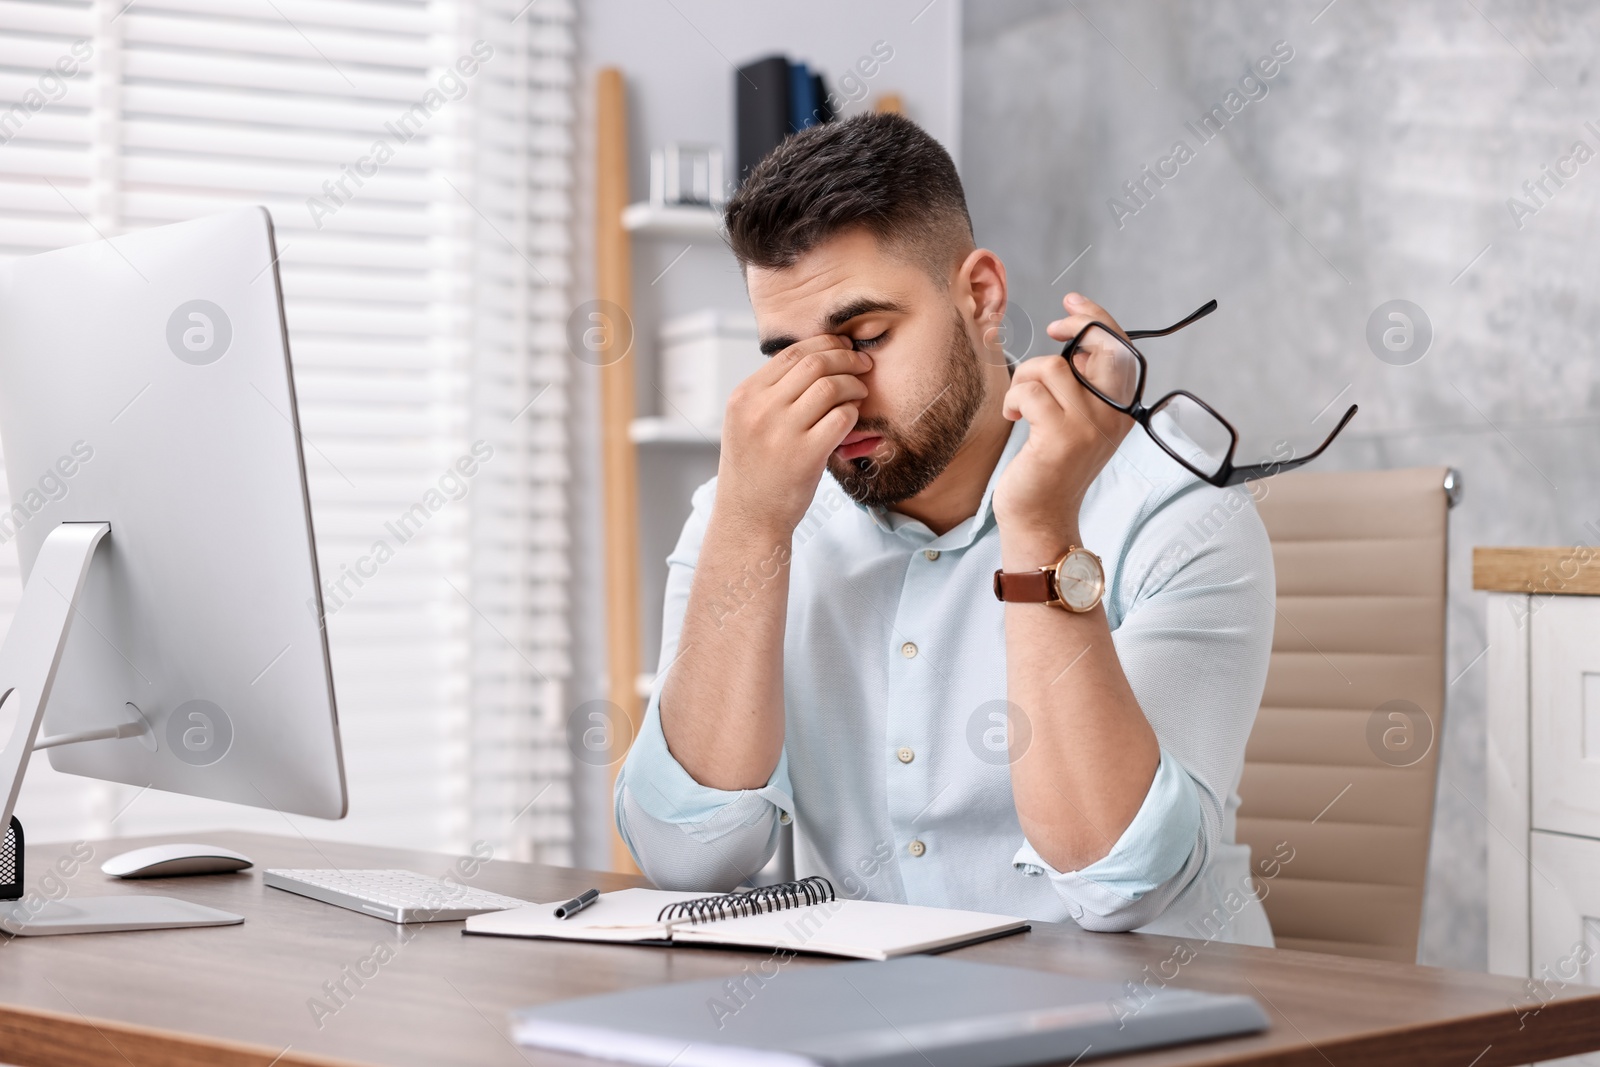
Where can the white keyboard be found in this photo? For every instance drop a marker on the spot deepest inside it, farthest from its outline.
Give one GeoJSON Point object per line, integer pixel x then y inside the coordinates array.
{"type": "Point", "coordinates": [399, 896]}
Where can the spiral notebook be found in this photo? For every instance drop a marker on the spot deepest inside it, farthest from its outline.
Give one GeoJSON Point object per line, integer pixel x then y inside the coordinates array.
{"type": "Point", "coordinates": [801, 916]}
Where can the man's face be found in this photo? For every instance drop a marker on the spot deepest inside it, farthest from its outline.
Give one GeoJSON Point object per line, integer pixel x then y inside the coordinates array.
{"type": "Point", "coordinates": [925, 386]}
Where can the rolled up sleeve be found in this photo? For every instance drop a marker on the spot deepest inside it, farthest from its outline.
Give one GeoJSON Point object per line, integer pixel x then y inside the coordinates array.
{"type": "Point", "coordinates": [682, 834]}
{"type": "Point", "coordinates": [1123, 889]}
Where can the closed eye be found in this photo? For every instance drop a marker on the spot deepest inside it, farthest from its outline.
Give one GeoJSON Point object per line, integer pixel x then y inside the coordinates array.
{"type": "Point", "coordinates": [858, 343]}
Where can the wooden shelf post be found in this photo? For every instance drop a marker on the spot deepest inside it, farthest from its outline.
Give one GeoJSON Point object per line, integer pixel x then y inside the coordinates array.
{"type": "Point", "coordinates": [618, 460]}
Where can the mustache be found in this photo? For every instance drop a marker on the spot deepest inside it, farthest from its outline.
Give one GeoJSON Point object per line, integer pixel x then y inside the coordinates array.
{"type": "Point", "coordinates": [875, 424]}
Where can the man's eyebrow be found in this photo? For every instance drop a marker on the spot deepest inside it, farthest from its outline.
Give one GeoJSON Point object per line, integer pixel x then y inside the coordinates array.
{"type": "Point", "coordinates": [836, 318]}
{"type": "Point", "coordinates": [773, 345]}
{"type": "Point", "coordinates": [864, 305]}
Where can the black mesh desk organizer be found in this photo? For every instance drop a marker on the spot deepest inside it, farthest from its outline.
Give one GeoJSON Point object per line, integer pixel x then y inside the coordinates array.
{"type": "Point", "coordinates": [11, 862]}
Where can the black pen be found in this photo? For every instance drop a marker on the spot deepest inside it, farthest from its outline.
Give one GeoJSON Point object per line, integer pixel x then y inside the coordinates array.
{"type": "Point", "coordinates": [577, 903]}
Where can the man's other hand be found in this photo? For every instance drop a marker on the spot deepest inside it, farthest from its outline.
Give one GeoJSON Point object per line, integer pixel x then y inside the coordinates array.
{"type": "Point", "coordinates": [1072, 434]}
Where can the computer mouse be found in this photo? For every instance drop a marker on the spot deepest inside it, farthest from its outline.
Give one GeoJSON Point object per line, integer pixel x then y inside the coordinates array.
{"type": "Point", "coordinates": [166, 861]}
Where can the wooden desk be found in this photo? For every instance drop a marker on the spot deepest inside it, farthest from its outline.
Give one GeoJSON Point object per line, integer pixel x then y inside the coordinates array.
{"type": "Point", "coordinates": [243, 995]}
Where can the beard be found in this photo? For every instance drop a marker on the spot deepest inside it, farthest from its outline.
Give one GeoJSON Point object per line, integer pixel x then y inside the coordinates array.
{"type": "Point", "coordinates": [910, 457]}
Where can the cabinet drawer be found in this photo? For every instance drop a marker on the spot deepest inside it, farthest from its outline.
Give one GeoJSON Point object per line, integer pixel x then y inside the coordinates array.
{"type": "Point", "coordinates": [1564, 714]}
{"type": "Point", "coordinates": [1565, 893]}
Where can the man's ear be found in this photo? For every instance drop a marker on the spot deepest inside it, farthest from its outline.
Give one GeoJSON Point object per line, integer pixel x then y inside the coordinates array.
{"type": "Point", "coordinates": [980, 293]}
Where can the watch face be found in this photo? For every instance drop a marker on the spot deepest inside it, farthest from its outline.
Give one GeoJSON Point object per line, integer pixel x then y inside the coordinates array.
{"type": "Point", "coordinates": [1080, 580]}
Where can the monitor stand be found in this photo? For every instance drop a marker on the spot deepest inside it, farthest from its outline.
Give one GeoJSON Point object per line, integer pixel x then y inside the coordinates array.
{"type": "Point", "coordinates": [29, 657]}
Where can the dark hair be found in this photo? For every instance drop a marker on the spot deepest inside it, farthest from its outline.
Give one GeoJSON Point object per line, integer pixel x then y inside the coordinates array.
{"type": "Point", "coordinates": [878, 171]}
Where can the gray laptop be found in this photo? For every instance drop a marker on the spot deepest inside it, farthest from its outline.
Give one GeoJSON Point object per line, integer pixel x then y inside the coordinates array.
{"type": "Point", "coordinates": [919, 1011]}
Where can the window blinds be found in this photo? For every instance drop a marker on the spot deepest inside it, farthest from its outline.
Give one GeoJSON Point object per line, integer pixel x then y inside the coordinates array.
{"type": "Point", "coordinates": [417, 161]}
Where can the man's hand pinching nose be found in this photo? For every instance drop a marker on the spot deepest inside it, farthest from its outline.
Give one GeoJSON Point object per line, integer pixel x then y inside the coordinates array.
{"type": "Point", "coordinates": [780, 426]}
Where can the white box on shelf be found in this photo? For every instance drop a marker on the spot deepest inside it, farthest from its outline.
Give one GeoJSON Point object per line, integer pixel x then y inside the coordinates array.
{"type": "Point", "coordinates": [703, 356]}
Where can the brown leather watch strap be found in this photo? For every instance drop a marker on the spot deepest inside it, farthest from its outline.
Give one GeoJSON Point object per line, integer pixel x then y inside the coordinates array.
{"type": "Point", "coordinates": [1025, 587]}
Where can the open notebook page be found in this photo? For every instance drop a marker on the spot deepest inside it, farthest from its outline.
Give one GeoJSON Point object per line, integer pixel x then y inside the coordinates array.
{"type": "Point", "coordinates": [865, 929]}
{"type": "Point", "coordinates": [626, 915]}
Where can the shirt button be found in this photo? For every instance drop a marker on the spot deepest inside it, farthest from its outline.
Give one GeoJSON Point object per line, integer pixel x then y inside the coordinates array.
{"type": "Point", "coordinates": [930, 554]}
{"type": "Point", "coordinates": [785, 818]}
{"type": "Point", "coordinates": [916, 848]}
{"type": "Point", "coordinates": [905, 755]}
{"type": "Point", "coordinates": [908, 650]}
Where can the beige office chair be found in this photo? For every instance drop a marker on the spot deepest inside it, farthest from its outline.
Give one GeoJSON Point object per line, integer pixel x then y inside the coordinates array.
{"type": "Point", "coordinates": [1343, 760]}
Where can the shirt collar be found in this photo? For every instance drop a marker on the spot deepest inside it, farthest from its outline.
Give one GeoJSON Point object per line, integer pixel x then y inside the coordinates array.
{"type": "Point", "coordinates": [963, 533]}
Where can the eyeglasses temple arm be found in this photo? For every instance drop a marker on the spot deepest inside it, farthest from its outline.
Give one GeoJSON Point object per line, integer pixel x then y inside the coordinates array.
{"type": "Point", "coordinates": [1205, 309]}
{"type": "Point", "coordinates": [1278, 466]}
{"type": "Point", "coordinates": [1343, 422]}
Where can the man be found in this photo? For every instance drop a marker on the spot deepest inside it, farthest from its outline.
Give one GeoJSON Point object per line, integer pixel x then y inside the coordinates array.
{"type": "Point", "coordinates": [844, 664]}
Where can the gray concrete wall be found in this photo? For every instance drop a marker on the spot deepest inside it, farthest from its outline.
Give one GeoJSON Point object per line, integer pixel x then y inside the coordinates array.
{"type": "Point", "coordinates": [1377, 166]}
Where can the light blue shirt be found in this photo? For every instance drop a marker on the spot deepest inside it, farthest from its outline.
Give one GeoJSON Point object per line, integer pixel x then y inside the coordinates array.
{"type": "Point", "coordinates": [894, 769]}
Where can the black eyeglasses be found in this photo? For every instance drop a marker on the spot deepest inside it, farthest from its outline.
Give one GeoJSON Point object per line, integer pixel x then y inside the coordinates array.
{"type": "Point", "coordinates": [1186, 427]}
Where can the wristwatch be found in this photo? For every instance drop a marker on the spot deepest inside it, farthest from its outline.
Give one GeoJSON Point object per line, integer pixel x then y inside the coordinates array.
{"type": "Point", "coordinates": [1075, 582]}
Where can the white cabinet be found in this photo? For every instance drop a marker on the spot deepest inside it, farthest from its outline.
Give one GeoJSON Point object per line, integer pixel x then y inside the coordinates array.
{"type": "Point", "coordinates": [1565, 893]}
{"type": "Point", "coordinates": [1543, 772]}
{"type": "Point", "coordinates": [1543, 803]}
{"type": "Point", "coordinates": [1564, 714]}
{"type": "Point", "coordinates": [1564, 927]}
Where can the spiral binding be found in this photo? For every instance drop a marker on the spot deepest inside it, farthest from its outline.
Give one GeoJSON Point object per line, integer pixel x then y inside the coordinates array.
{"type": "Point", "coordinates": [781, 897]}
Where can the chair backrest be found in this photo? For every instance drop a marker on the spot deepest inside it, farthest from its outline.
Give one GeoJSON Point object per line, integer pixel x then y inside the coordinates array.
{"type": "Point", "coordinates": [1342, 764]}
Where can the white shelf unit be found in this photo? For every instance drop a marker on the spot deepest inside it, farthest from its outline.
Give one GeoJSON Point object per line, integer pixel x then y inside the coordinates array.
{"type": "Point", "coordinates": [672, 220]}
{"type": "Point", "coordinates": [676, 446]}
{"type": "Point", "coordinates": [655, 430]}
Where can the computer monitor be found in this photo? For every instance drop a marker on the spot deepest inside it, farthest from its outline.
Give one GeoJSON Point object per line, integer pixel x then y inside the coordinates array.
{"type": "Point", "coordinates": [170, 632]}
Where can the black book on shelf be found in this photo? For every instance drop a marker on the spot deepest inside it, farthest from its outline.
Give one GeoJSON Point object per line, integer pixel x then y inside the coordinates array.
{"type": "Point", "coordinates": [761, 95]}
